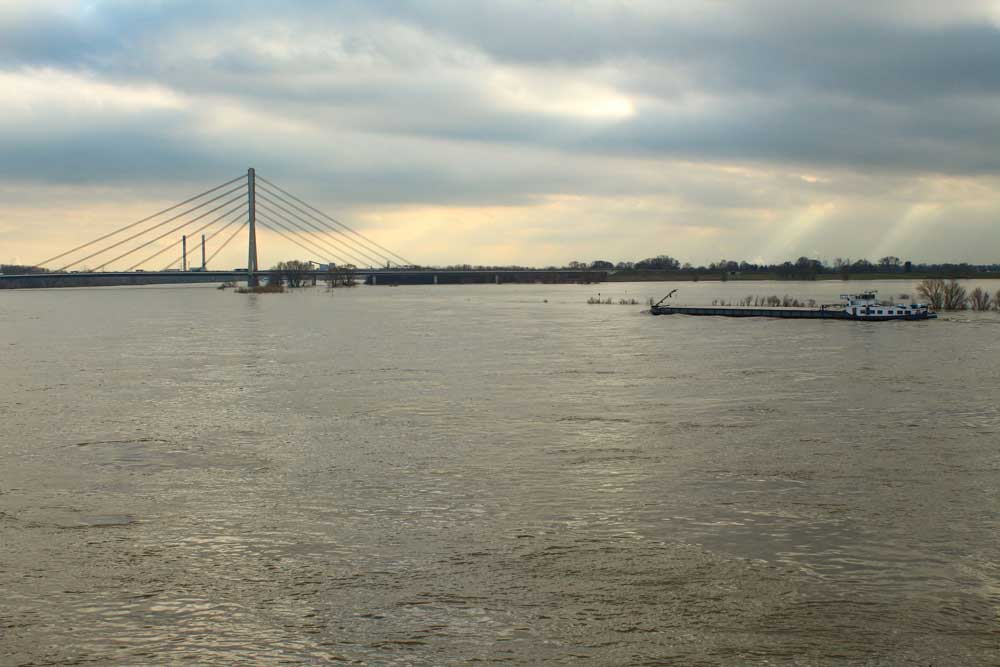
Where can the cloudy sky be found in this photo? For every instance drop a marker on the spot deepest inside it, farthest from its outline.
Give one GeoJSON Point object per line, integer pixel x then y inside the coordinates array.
{"type": "Point", "coordinates": [522, 131]}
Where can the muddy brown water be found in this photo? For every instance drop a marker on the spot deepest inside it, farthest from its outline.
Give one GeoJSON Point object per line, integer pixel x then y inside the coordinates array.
{"type": "Point", "coordinates": [493, 474]}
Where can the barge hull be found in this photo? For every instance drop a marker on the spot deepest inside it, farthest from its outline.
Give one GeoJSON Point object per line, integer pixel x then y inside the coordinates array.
{"type": "Point", "coordinates": [787, 313]}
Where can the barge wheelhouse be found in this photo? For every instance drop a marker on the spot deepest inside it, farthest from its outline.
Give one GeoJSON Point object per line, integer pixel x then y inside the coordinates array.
{"type": "Point", "coordinates": [865, 306]}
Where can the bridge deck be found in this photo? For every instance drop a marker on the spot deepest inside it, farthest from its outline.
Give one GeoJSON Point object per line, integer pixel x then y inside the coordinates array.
{"type": "Point", "coordinates": [375, 276]}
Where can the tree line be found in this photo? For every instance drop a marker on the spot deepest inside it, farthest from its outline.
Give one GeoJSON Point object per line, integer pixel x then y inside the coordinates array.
{"type": "Point", "coordinates": [951, 295]}
{"type": "Point", "coordinates": [20, 269]}
{"type": "Point", "coordinates": [803, 268]}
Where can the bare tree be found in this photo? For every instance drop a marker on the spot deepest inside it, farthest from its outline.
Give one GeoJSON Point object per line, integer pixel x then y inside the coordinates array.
{"type": "Point", "coordinates": [980, 299]}
{"type": "Point", "coordinates": [293, 272]}
{"type": "Point", "coordinates": [954, 296]}
{"type": "Point", "coordinates": [341, 276]}
{"type": "Point", "coordinates": [931, 290]}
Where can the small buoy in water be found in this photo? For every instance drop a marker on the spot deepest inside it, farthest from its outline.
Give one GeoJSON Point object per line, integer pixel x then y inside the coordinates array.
{"type": "Point", "coordinates": [545, 300]}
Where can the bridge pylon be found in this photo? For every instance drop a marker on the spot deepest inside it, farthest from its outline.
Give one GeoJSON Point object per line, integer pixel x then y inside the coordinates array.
{"type": "Point", "coordinates": [252, 280]}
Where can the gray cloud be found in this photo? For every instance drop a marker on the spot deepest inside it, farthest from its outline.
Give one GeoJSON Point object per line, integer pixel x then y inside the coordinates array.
{"type": "Point", "coordinates": [790, 85]}
{"type": "Point", "coordinates": [455, 103]}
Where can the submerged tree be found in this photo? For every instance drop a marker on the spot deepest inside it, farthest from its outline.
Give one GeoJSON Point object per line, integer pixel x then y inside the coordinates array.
{"type": "Point", "coordinates": [980, 299]}
{"type": "Point", "coordinates": [292, 273]}
{"type": "Point", "coordinates": [931, 290]}
{"type": "Point", "coordinates": [954, 296]}
{"type": "Point", "coordinates": [341, 276]}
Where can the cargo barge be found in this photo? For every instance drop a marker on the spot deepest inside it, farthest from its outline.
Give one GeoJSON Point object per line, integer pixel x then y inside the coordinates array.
{"type": "Point", "coordinates": [859, 307]}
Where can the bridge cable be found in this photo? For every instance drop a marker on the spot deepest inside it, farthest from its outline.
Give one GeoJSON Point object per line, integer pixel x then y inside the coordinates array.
{"type": "Point", "coordinates": [157, 225]}
{"type": "Point", "coordinates": [160, 252]}
{"type": "Point", "coordinates": [267, 225]}
{"type": "Point", "coordinates": [147, 219]}
{"type": "Point", "coordinates": [180, 260]}
{"type": "Point", "coordinates": [350, 244]}
{"type": "Point", "coordinates": [167, 233]}
{"type": "Point", "coordinates": [321, 236]}
{"type": "Point", "coordinates": [226, 242]}
{"type": "Point", "coordinates": [291, 239]}
{"type": "Point", "coordinates": [194, 247]}
{"type": "Point", "coordinates": [318, 251]}
{"type": "Point", "coordinates": [360, 247]}
{"type": "Point", "coordinates": [334, 220]}
{"type": "Point", "coordinates": [173, 230]}
{"type": "Point", "coordinates": [242, 211]}
{"type": "Point", "coordinates": [326, 234]}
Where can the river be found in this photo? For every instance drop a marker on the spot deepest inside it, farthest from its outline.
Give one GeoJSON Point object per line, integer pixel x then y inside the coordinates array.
{"type": "Point", "coordinates": [494, 474]}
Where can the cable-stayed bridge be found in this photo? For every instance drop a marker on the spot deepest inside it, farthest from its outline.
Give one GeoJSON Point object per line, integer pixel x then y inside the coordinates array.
{"type": "Point", "coordinates": [188, 236]}
{"type": "Point", "coordinates": [181, 243]}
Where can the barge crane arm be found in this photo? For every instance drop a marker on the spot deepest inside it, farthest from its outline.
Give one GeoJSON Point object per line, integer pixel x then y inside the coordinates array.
{"type": "Point", "coordinates": [672, 292]}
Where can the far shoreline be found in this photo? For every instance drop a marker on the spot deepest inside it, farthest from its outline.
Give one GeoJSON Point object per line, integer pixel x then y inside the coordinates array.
{"type": "Point", "coordinates": [640, 276]}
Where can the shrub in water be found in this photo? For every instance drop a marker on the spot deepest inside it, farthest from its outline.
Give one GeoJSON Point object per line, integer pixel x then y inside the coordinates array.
{"type": "Point", "coordinates": [980, 299]}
